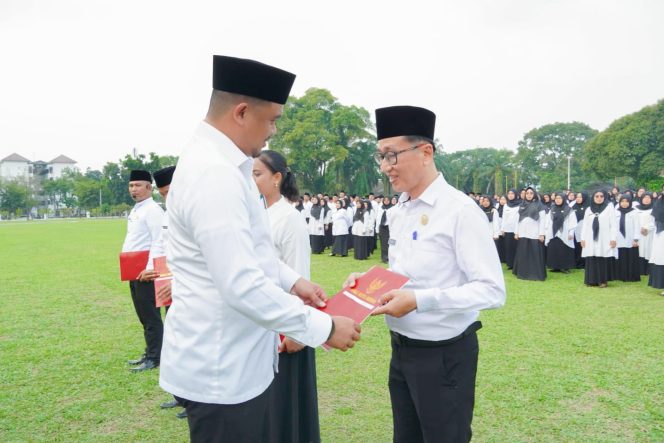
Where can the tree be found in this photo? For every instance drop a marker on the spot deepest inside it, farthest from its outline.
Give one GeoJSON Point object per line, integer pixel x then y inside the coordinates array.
{"type": "Point", "coordinates": [15, 197]}
{"type": "Point", "coordinates": [542, 153]}
{"type": "Point", "coordinates": [326, 143]}
{"type": "Point", "coordinates": [631, 146]}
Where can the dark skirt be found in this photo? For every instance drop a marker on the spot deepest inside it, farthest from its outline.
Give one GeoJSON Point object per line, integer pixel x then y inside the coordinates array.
{"type": "Point", "coordinates": [559, 256]}
{"type": "Point", "coordinates": [627, 267]}
{"type": "Point", "coordinates": [340, 245]}
{"type": "Point", "coordinates": [643, 265]}
{"type": "Point", "coordinates": [500, 247]}
{"type": "Point", "coordinates": [329, 239]}
{"type": "Point", "coordinates": [351, 238]}
{"type": "Point", "coordinates": [384, 234]}
{"type": "Point", "coordinates": [371, 243]}
{"type": "Point", "coordinates": [529, 261]}
{"type": "Point", "coordinates": [317, 243]}
{"type": "Point", "coordinates": [597, 270]}
{"type": "Point", "coordinates": [509, 246]}
{"type": "Point", "coordinates": [361, 251]}
{"type": "Point", "coordinates": [580, 261]}
{"type": "Point", "coordinates": [293, 404]}
{"type": "Point", "coordinates": [656, 276]}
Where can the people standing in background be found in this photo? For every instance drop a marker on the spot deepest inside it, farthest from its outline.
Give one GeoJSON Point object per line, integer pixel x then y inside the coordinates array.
{"type": "Point", "coordinates": [579, 208]}
{"type": "Point", "coordinates": [656, 266]}
{"type": "Point", "coordinates": [646, 228]}
{"type": "Point", "coordinates": [627, 266]}
{"type": "Point", "coordinates": [486, 204]}
{"type": "Point", "coordinates": [317, 225]}
{"type": "Point", "coordinates": [370, 226]}
{"type": "Point", "coordinates": [360, 247]}
{"type": "Point", "coordinates": [340, 225]}
{"type": "Point", "coordinates": [502, 201]}
{"type": "Point", "coordinates": [560, 236]}
{"type": "Point", "coordinates": [383, 223]}
{"type": "Point", "coordinates": [307, 205]}
{"type": "Point", "coordinates": [509, 225]}
{"type": "Point", "coordinates": [529, 260]}
{"type": "Point", "coordinates": [598, 240]}
{"type": "Point", "coordinates": [144, 225]}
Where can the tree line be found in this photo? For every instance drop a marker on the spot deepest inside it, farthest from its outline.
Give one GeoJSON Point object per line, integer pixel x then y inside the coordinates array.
{"type": "Point", "coordinates": [328, 146]}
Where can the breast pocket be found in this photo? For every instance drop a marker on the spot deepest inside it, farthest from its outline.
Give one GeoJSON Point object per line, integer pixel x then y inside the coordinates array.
{"type": "Point", "coordinates": [424, 260]}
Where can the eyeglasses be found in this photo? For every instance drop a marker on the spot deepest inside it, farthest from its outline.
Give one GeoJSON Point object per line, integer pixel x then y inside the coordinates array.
{"type": "Point", "coordinates": [391, 156]}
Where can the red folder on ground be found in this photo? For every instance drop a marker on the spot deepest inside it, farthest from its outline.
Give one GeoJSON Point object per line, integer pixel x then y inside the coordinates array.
{"type": "Point", "coordinates": [358, 302]}
{"type": "Point", "coordinates": [132, 264]}
{"type": "Point", "coordinates": [164, 279]}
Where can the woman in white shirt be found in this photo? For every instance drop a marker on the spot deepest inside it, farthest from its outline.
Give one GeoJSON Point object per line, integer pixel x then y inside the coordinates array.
{"type": "Point", "coordinates": [293, 409]}
{"type": "Point", "coordinates": [510, 220]}
{"type": "Point", "coordinates": [493, 219]}
{"type": "Point", "coordinates": [627, 238]}
{"type": "Point", "coordinates": [317, 222]}
{"type": "Point", "coordinates": [656, 267]}
{"type": "Point", "coordinates": [646, 228]}
{"type": "Point", "coordinates": [560, 236]}
{"type": "Point", "coordinates": [360, 249]}
{"type": "Point", "coordinates": [579, 207]}
{"type": "Point", "coordinates": [370, 226]}
{"type": "Point", "coordinates": [529, 260]}
{"type": "Point", "coordinates": [598, 240]}
{"type": "Point", "coordinates": [340, 224]}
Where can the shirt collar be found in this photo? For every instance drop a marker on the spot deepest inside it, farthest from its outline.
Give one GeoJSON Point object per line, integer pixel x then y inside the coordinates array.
{"type": "Point", "coordinates": [226, 146]}
{"type": "Point", "coordinates": [430, 194]}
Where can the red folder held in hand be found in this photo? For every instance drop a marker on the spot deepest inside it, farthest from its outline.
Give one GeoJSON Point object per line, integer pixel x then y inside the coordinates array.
{"type": "Point", "coordinates": [358, 302]}
{"type": "Point", "coordinates": [132, 264]}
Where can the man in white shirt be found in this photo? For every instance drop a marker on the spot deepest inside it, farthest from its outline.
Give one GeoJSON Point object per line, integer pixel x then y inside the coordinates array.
{"type": "Point", "coordinates": [230, 292]}
{"type": "Point", "coordinates": [143, 229]}
{"type": "Point", "coordinates": [440, 240]}
{"type": "Point", "coordinates": [306, 203]}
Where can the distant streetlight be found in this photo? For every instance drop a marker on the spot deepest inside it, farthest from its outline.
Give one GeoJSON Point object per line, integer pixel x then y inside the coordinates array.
{"type": "Point", "coordinates": [569, 180]}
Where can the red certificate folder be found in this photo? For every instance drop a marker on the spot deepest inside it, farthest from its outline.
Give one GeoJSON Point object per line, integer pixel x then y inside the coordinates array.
{"type": "Point", "coordinates": [164, 279]}
{"type": "Point", "coordinates": [358, 302]}
{"type": "Point", "coordinates": [132, 264]}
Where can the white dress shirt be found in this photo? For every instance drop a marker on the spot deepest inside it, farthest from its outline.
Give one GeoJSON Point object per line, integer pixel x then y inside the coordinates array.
{"type": "Point", "coordinates": [632, 229]}
{"type": "Point", "coordinates": [532, 229]}
{"type": "Point", "coordinates": [608, 230]}
{"type": "Point", "coordinates": [229, 287]}
{"type": "Point", "coordinates": [510, 219]}
{"type": "Point", "coordinates": [143, 226]}
{"type": "Point", "coordinates": [567, 230]}
{"type": "Point", "coordinates": [158, 248]}
{"type": "Point", "coordinates": [290, 237]}
{"type": "Point", "coordinates": [340, 222]}
{"type": "Point", "coordinates": [647, 222]}
{"type": "Point", "coordinates": [442, 243]}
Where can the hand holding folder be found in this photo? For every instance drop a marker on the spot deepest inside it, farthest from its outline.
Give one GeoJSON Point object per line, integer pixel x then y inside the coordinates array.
{"type": "Point", "coordinates": [132, 264]}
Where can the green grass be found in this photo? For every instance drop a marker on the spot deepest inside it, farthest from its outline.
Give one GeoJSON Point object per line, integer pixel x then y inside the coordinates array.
{"type": "Point", "coordinates": [560, 362]}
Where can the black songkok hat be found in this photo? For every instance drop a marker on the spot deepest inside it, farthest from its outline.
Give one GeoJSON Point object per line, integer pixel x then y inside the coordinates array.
{"type": "Point", "coordinates": [396, 121]}
{"type": "Point", "coordinates": [164, 176]}
{"type": "Point", "coordinates": [252, 78]}
{"type": "Point", "coordinates": [139, 174]}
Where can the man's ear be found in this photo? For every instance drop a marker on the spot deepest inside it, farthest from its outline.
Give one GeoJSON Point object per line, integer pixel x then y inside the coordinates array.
{"type": "Point", "coordinates": [240, 113]}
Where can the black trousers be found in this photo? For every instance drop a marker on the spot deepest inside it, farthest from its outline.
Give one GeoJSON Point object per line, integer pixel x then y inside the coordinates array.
{"type": "Point", "coordinates": [384, 234]}
{"type": "Point", "coordinates": [142, 294]}
{"type": "Point", "coordinates": [433, 390]}
{"type": "Point", "coordinates": [242, 422]}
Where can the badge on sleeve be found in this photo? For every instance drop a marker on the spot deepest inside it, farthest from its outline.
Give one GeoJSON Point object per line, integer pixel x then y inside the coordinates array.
{"type": "Point", "coordinates": [424, 219]}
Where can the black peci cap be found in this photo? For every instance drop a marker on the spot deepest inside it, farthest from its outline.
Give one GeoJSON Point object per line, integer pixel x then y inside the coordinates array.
{"type": "Point", "coordinates": [252, 78]}
{"type": "Point", "coordinates": [139, 174]}
{"type": "Point", "coordinates": [396, 121]}
{"type": "Point", "coordinates": [164, 176]}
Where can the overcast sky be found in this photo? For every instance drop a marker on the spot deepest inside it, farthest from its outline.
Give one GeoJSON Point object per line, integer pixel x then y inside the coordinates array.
{"type": "Point", "coordinates": [93, 79]}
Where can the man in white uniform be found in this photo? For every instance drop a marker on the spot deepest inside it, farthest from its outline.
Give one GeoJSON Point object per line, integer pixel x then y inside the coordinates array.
{"type": "Point", "coordinates": [440, 240]}
{"type": "Point", "coordinates": [230, 292]}
{"type": "Point", "coordinates": [143, 229]}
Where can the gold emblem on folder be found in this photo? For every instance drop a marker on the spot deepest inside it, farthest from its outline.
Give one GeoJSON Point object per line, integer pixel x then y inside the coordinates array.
{"type": "Point", "coordinates": [425, 219]}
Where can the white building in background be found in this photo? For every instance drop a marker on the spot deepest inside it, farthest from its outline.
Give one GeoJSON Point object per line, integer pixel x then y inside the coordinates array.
{"type": "Point", "coordinates": [16, 166]}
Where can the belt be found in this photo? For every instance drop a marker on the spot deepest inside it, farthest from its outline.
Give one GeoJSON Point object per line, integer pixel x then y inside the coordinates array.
{"type": "Point", "coordinates": [402, 340]}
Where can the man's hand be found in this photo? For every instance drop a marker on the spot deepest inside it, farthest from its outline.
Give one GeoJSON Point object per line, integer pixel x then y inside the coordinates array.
{"type": "Point", "coordinates": [583, 243]}
{"type": "Point", "coordinates": [148, 275]}
{"type": "Point", "coordinates": [397, 303]}
{"type": "Point", "coordinates": [351, 281]}
{"type": "Point", "coordinates": [290, 346]}
{"type": "Point", "coordinates": [346, 333]}
{"type": "Point", "coordinates": [163, 295]}
{"type": "Point", "coordinates": [644, 231]}
{"type": "Point", "coordinates": [635, 244]}
{"type": "Point", "coordinates": [516, 236]}
{"type": "Point", "coordinates": [612, 244]}
{"type": "Point", "coordinates": [541, 239]}
{"type": "Point", "coordinates": [310, 293]}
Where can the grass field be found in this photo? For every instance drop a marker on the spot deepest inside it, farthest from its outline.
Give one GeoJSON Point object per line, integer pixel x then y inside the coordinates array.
{"type": "Point", "coordinates": [560, 362]}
